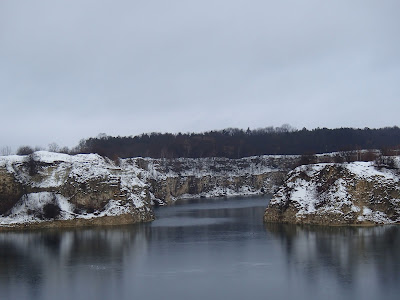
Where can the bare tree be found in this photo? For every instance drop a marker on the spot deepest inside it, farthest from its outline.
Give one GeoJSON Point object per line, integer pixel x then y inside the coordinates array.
{"type": "Point", "coordinates": [53, 147]}
{"type": "Point", "coordinates": [102, 136]}
{"type": "Point", "coordinates": [64, 149]}
{"type": "Point", "coordinates": [5, 151]}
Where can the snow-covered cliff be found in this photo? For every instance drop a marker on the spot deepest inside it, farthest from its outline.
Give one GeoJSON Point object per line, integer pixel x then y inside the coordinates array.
{"type": "Point", "coordinates": [338, 194]}
{"type": "Point", "coordinates": [77, 190]}
{"type": "Point", "coordinates": [87, 189]}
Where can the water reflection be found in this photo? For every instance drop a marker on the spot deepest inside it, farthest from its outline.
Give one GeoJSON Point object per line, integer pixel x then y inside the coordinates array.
{"type": "Point", "coordinates": [216, 249]}
{"type": "Point", "coordinates": [350, 254]}
{"type": "Point", "coordinates": [52, 259]}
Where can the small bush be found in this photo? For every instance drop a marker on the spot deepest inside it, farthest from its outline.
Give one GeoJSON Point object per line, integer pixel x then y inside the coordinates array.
{"type": "Point", "coordinates": [25, 150]}
{"type": "Point", "coordinates": [33, 165]}
{"type": "Point", "coordinates": [385, 162]}
{"type": "Point", "coordinates": [51, 211]}
{"type": "Point", "coordinates": [338, 158]}
{"type": "Point", "coordinates": [307, 159]}
{"type": "Point", "coordinates": [369, 155]}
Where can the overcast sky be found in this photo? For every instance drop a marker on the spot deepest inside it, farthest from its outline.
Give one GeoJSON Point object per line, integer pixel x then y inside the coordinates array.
{"type": "Point", "coordinates": [71, 69]}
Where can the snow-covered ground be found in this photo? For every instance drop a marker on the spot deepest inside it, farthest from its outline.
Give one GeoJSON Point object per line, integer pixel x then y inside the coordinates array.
{"type": "Point", "coordinates": [58, 179]}
{"type": "Point", "coordinates": [28, 209]}
{"type": "Point", "coordinates": [357, 192]}
{"type": "Point", "coordinates": [54, 172]}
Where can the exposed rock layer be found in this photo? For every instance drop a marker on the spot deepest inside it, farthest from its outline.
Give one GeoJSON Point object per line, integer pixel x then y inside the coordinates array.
{"type": "Point", "coordinates": [356, 193]}
{"type": "Point", "coordinates": [48, 189]}
{"type": "Point", "coordinates": [10, 191]}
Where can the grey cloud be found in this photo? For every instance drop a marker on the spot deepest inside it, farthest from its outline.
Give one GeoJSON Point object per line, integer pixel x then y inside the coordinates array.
{"type": "Point", "coordinates": [127, 67]}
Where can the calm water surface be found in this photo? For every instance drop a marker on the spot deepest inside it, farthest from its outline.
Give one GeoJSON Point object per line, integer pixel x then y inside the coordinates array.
{"type": "Point", "coordinates": [203, 249]}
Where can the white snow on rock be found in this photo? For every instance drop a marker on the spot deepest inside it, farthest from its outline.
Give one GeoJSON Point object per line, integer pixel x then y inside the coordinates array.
{"type": "Point", "coordinates": [377, 217]}
{"type": "Point", "coordinates": [313, 192]}
{"type": "Point", "coordinates": [368, 170]}
{"type": "Point", "coordinates": [26, 210]}
{"type": "Point", "coordinates": [30, 208]}
{"type": "Point", "coordinates": [47, 175]}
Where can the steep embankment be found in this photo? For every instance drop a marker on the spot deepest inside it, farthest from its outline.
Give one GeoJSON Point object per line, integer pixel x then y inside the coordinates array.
{"type": "Point", "coordinates": [173, 179]}
{"type": "Point", "coordinates": [74, 190]}
{"type": "Point", "coordinates": [338, 194]}
{"type": "Point", "coordinates": [49, 189]}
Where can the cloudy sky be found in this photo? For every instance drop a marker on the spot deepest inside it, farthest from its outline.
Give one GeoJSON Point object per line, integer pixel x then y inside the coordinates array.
{"type": "Point", "coordinates": [71, 69]}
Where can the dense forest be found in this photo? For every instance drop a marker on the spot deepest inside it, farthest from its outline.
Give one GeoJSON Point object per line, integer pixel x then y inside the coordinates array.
{"type": "Point", "coordinates": [237, 143]}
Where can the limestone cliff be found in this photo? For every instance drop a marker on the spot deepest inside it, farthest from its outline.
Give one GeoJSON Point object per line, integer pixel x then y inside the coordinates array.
{"type": "Point", "coordinates": [172, 179]}
{"type": "Point", "coordinates": [44, 187]}
{"type": "Point", "coordinates": [338, 194]}
{"type": "Point", "coordinates": [51, 189]}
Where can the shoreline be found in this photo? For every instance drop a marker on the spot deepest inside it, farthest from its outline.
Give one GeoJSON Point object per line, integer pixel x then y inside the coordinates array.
{"type": "Point", "coordinates": [125, 219]}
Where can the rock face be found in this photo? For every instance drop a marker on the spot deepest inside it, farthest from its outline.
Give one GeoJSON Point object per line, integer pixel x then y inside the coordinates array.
{"type": "Point", "coordinates": [338, 194]}
{"type": "Point", "coordinates": [42, 188]}
{"type": "Point", "coordinates": [10, 191]}
{"type": "Point", "coordinates": [48, 189]}
{"type": "Point", "coordinates": [170, 180]}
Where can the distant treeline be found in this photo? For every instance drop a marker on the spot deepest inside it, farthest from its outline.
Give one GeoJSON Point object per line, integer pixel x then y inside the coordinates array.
{"type": "Point", "coordinates": [237, 143]}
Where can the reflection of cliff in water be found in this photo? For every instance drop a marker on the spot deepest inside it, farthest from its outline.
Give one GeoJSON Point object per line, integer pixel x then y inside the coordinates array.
{"type": "Point", "coordinates": [217, 221]}
{"type": "Point", "coordinates": [347, 252]}
{"type": "Point", "coordinates": [53, 255]}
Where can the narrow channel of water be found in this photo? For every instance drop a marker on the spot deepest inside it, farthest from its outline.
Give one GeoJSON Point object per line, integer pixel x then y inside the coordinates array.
{"type": "Point", "coordinates": [203, 249]}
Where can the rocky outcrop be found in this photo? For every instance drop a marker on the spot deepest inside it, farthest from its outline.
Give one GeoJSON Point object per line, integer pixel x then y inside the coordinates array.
{"type": "Point", "coordinates": [51, 189]}
{"type": "Point", "coordinates": [57, 190]}
{"type": "Point", "coordinates": [168, 180]}
{"type": "Point", "coordinates": [10, 191]}
{"type": "Point", "coordinates": [171, 188]}
{"type": "Point", "coordinates": [358, 193]}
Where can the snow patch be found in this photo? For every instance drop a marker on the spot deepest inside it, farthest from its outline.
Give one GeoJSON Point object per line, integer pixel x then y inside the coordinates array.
{"type": "Point", "coordinates": [376, 217]}
{"type": "Point", "coordinates": [312, 190]}
{"type": "Point", "coordinates": [30, 208]}
{"type": "Point", "coordinates": [367, 170]}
